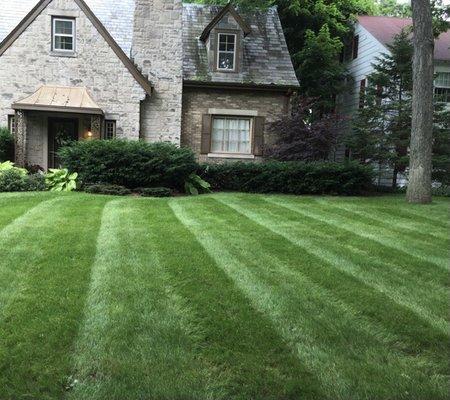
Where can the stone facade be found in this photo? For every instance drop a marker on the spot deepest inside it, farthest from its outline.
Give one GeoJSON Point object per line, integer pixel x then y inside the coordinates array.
{"type": "Point", "coordinates": [157, 49]}
{"type": "Point", "coordinates": [200, 101]}
{"type": "Point", "coordinates": [29, 64]}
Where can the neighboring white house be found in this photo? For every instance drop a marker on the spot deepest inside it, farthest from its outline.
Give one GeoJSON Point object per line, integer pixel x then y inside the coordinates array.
{"type": "Point", "coordinates": [371, 36]}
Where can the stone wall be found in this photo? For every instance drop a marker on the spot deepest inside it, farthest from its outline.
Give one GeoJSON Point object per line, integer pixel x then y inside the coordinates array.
{"type": "Point", "coordinates": [157, 49]}
{"type": "Point", "coordinates": [198, 101]}
{"type": "Point", "coordinates": [29, 64]}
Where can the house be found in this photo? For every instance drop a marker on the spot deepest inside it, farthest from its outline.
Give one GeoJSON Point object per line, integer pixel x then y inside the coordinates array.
{"type": "Point", "coordinates": [206, 77]}
{"type": "Point", "coordinates": [371, 36]}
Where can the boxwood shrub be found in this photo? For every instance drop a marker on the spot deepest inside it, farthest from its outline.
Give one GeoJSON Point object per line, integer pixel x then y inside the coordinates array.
{"type": "Point", "coordinates": [14, 181]}
{"type": "Point", "coordinates": [290, 177]}
{"type": "Point", "coordinates": [132, 164]}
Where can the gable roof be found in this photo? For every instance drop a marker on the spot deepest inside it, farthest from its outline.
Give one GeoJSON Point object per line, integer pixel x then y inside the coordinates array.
{"type": "Point", "coordinates": [116, 16]}
{"type": "Point", "coordinates": [42, 4]}
{"type": "Point", "coordinates": [266, 58]}
{"type": "Point", "coordinates": [227, 9]}
{"type": "Point", "coordinates": [385, 28]}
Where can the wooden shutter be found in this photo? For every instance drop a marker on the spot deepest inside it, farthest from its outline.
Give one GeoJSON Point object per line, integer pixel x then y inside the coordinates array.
{"type": "Point", "coordinates": [258, 136]}
{"type": "Point", "coordinates": [206, 134]}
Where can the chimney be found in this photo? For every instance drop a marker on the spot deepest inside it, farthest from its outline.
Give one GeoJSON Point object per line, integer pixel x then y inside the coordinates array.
{"type": "Point", "coordinates": [158, 50]}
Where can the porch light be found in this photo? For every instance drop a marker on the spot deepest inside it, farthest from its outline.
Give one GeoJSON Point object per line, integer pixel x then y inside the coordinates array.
{"type": "Point", "coordinates": [89, 135]}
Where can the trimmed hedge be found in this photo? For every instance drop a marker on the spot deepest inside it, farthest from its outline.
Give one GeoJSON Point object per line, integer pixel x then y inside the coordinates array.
{"type": "Point", "coordinates": [6, 145]}
{"type": "Point", "coordinates": [155, 192]}
{"type": "Point", "coordinates": [113, 190]}
{"type": "Point", "coordinates": [132, 164]}
{"type": "Point", "coordinates": [290, 177]}
{"type": "Point", "coordinates": [14, 181]}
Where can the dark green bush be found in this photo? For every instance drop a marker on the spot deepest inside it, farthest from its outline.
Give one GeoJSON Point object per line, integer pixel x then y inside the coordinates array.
{"type": "Point", "coordinates": [155, 192]}
{"type": "Point", "coordinates": [114, 190]}
{"type": "Point", "coordinates": [290, 177]}
{"type": "Point", "coordinates": [131, 164]}
{"type": "Point", "coordinates": [13, 181]}
{"type": "Point", "coordinates": [6, 145]}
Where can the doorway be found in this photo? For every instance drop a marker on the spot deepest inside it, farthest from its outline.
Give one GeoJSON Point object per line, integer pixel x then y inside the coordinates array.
{"type": "Point", "coordinates": [61, 131]}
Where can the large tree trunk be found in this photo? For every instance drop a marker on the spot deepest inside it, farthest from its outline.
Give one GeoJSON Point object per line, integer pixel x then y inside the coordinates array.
{"type": "Point", "coordinates": [419, 187]}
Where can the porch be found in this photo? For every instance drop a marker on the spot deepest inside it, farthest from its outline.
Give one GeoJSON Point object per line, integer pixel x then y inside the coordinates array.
{"type": "Point", "coordinates": [49, 119]}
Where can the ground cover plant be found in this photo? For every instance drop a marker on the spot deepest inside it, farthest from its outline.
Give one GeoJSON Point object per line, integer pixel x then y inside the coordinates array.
{"type": "Point", "coordinates": [223, 296]}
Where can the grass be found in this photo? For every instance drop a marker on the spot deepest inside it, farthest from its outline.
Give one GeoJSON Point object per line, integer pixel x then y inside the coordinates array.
{"type": "Point", "coordinates": [228, 296]}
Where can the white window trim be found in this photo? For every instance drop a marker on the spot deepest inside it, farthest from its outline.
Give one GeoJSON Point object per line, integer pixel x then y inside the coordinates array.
{"type": "Point", "coordinates": [232, 113]}
{"type": "Point", "coordinates": [114, 123]}
{"type": "Point", "coordinates": [228, 52]}
{"type": "Point", "coordinates": [225, 154]}
{"type": "Point", "coordinates": [54, 35]}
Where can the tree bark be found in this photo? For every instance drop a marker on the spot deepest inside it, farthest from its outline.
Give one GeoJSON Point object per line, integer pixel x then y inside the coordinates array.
{"type": "Point", "coordinates": [419, 187]}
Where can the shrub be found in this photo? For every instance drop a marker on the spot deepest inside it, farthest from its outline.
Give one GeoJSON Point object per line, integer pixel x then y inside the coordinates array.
{"type": "Point", "coordinates": [155, 192]}
{"type": "Point", "coordinates": [9, 165]}
{"type": "Point", "coordinates": [6, 145]}
{"type": "Point", "coordinates": [132, 164]}
{"type": "Point", "coordinates": [113, 190]}
{"type": "Point", "coordinates": [60, 180]}
{"type": "Point", "coordinates": [195, 185]}
{"type": "Point", "coordinates": [13, 180]}
{"type": "Point", "coordinates": [291, 177]}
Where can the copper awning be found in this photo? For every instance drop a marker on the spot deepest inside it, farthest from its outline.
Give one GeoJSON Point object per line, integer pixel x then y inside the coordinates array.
{"type": "Point", "coordinates": [59, 99]}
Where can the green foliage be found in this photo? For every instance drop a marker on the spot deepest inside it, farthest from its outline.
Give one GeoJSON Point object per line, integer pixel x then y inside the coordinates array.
{"type": "Point", "coordinates": [291, 177]}
{"type": "Point", "coordinates": [322, 74]}
{"type": "Point", "coordinates": [113, 190]}
{"type": "Point", "coordinates": [132, 164]}
{"type": "Point", "coordinates": [61, 180]}
{"type": "Point", "coordinates": [13, 180]}
{"type": "Point", "coordinates": [6, 145]}
{"type": "Point", "coordinates": [155, 192]}
{"type": "Point", "coordinates": [382, 128]}
{"type": "Point", "coordinates": [9, 165]}
{"type": "Point", "coordinates": [195, 185]}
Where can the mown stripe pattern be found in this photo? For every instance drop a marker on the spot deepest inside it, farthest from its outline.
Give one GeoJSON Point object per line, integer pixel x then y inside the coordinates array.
{"type": "Point", "coordinates": [229, 296]}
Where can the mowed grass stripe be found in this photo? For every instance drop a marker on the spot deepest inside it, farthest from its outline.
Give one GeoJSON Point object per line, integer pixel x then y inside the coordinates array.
{"type": "Point", "coordinates": [403, 279]}
{"type": "Point", "coordinates": [344, 357]}
{"type": "Point", "coordinates": [306, 234]}
{"type": "Point", "coordinates": [135, 342]}
{"type": "Point", "coordinates": [44, 276]}
{"type": "Point", "coordinates": [424, 233]}
{"type": "Point", "coordinates": [14, 205]}
{"type": "Point", "coordinates": [241, 345]}
{"type": "Point", "coordinates": [399, 243]}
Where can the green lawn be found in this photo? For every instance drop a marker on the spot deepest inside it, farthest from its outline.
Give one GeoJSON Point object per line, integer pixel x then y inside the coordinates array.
{"type": "Point", "coordinates": [228, 296]}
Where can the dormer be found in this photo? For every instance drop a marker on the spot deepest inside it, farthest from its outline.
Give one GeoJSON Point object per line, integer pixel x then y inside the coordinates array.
{"type": "Point", "coordinates": [224, 41]}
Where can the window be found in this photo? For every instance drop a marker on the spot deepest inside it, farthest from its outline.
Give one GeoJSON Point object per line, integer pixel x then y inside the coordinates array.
{"type": "Point", "coordinates": [355, 46]}
{"type": "Point", "coordinates": [442, 87]}
{"type": "Point", "coordinates": [231, 135]}
{"type": "Point", "coordinates": [12, 124]}
{"type": "Point", "coordinates": [362, 93]}
{"type": "Point", "coordinates": [63, 34]}
{"type": "Point", "coordinates": [110, 130]}
{"type": "Point", "coordinates": [226, 57]}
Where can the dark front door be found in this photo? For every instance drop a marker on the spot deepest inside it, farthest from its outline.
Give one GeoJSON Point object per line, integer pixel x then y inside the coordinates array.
{"type": "Point", "coordinates": [60, 132]}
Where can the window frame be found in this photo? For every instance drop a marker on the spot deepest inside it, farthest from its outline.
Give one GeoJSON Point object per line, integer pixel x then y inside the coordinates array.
{"type": "Point", "coordinates": [251, 120]}
{"type": "Point", "coordinates": [12, 124]}
{"type": "Point", "coordinates": [54, 34]}
{"type": "Point", "coordinates": [355, 47]}
{"type": "Point", "coordinates": [105, 128]}
{"type": "Point", "coordinates": [443, 86]}
{"type": "Point", "coordinates": [235, 52]}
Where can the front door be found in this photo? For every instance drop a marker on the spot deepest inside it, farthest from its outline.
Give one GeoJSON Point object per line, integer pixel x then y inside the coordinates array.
{"type": "Point", "coordinates": [61, 131]}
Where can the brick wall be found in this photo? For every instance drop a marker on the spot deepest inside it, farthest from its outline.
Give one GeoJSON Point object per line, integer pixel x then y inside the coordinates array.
{"type": "Point", "coordinates": [198, 101]}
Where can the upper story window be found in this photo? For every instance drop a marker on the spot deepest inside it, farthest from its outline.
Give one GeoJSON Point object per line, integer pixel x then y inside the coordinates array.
{"type": "Point", "coordinates": [63, 34]}
{"type": "Point", "coordinates": [442, 87]}
{"type": "Point", "coordinates": [226, 56]}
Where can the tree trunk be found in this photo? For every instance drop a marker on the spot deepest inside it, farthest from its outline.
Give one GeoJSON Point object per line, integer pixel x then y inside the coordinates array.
{"type": "Point", "coordinates": [419, 187]}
